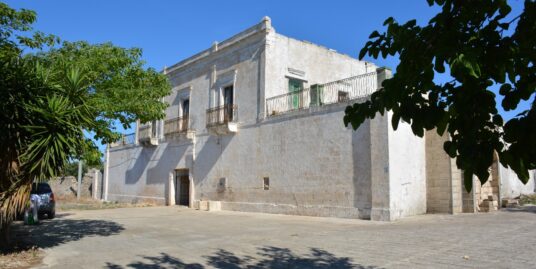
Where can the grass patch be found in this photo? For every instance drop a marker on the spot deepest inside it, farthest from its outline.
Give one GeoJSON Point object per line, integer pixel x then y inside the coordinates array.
{"type": "Point", "coordinates": [528, 199]}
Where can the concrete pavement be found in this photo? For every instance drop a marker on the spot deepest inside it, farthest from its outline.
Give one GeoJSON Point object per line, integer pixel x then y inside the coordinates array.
{"type": "Point", "coordinates": [174, 237]}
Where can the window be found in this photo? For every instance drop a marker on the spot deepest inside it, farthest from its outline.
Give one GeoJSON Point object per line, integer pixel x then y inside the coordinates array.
{"type": "Point", "coordinates": [294, 88]}
{"type": "Point", "coordinates": [266, 183]}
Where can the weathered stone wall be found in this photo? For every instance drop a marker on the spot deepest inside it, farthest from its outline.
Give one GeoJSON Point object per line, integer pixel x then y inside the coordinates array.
{"type": "Point", "coordinates": [443, 178]}
{"type": "Point", "coordinates": [142, 173]}
{"type": "Point", "coordinates": [66, 187]}
{"type": "Point", "coordinates": [315, 165]}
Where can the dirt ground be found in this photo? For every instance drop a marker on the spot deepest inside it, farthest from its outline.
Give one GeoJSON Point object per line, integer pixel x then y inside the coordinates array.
{"type": "Point", "coordinates": [21, 257]}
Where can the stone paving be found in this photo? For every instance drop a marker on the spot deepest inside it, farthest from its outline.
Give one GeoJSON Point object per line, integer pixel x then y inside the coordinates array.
{"type": "Point", "coordinates": [174, 237]}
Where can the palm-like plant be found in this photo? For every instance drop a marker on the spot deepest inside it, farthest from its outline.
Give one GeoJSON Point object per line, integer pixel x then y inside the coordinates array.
{"type": "Point", "coordinates": [41, 128]}
{"type": "Point", "coordinates": [52, 96]}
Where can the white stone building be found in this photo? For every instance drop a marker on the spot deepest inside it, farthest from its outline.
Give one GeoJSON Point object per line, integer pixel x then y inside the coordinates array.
{"type": "Point", "coordinates": [255, 124]}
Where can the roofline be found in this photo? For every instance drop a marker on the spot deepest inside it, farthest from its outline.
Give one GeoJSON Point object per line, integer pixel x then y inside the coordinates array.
{"type": "Point", "coordinates": [263, 26]}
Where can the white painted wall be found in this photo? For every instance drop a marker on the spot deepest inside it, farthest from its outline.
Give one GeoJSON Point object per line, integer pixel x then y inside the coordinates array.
{"type": "Point", "coordinates": [141, 173]}
{"type": "Point", "coordinates": [316, 165]}
{"type": "Point", "coordinates": [319, 64]}
{"type": "Point", "coordinates": [511, 186]}
{"type": "Point", "coordinates": [407, 171]}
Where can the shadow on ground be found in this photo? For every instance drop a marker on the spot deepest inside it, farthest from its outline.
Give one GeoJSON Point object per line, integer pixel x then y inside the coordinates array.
{"type": "Point", "coordinates": [527, 208]}
{"type": "Point", "coordinates": [50, 233]}
{"type": "Point", "coordinates": [268, 257]}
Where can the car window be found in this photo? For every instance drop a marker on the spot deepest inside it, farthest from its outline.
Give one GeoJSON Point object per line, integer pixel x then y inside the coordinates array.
{"type": "Point", "coordinates": [41, 188]}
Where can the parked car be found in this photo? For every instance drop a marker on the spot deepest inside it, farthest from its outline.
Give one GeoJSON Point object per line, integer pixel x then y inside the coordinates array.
{"type": "Point", "coordinates": [47, 203]}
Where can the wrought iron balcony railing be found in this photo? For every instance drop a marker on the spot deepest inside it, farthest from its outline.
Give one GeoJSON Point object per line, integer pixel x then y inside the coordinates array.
{"type": "Point", "coordinates": [221, 115]}
{"type": "Point", "coordinates": [176, 125]}
{"type": "Point", "coordinates": [126, 139]}
{"type": "Point", "coordinates": [145, 133]}
{"type": "Point", "coordinates": [339, 91]}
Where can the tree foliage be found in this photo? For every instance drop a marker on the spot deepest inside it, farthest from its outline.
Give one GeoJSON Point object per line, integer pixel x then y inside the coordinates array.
{"type": "Point", "coordinates": [57, 94]}
{"type": "Point", "coordinates": [483, 46]}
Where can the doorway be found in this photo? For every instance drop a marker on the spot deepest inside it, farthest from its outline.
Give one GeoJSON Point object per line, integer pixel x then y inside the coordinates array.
{"type": "Point", "coordinates": [182, 185]}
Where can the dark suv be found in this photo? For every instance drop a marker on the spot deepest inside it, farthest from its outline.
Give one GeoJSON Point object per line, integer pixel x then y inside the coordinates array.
{"type": "Point", "coordinates": [47, 203]}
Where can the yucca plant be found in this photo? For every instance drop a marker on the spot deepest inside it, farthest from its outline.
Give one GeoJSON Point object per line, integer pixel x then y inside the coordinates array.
{"type": "Point", "coordinates": [52, 98]}
{"type": "Point", "coordinates": [41, 128]}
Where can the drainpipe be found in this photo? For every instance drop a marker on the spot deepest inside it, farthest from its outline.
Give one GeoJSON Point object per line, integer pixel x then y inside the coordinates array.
{"type": "Point", "coordinates": [106, 168]}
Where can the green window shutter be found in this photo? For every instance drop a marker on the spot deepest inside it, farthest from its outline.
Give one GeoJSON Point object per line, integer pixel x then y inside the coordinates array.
{"type": "Point", "coordinates": [316, 95]}
{"type": "Point", "coordinates": [294, 87]}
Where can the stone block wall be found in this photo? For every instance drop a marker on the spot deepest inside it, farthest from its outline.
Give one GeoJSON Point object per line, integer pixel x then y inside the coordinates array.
{"type": "Point", "coordinates": [443, 188]}
{"type": "Point", "coordinates": [66, 187]}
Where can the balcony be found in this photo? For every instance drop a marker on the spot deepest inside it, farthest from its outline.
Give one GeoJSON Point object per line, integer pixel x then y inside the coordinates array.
{"type": "Point", "coordinates": [147, 135]}
{"type": "Point", "coordinates": [177, 127]}
{"type": "Point", "coordinates": [222, 120]}
{"type": "Point", "coordinates": [126, 139]}
{"type": "Point", "coordinates": [340, 91]}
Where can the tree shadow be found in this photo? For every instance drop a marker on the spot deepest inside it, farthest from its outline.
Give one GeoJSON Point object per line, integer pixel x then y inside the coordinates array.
{"type": "Point", "coordinates": [268, 257]}
{"type": "Point", "coordinates": [162, 261]}
{"type": "Point", "coordinates": [50, 233]}
{"type": "Point", "coordinates": [526, 209]}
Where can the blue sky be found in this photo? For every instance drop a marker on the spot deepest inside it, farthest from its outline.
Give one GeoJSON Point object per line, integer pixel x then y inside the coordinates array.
{"type": "Point", "coordinates": [169, 31]}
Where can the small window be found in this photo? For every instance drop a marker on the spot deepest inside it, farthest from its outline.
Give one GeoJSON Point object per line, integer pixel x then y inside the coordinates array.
{"type": "Point", "coordinates": [222, 183]}
{"type": "Point", "coordinates": [266, 183]}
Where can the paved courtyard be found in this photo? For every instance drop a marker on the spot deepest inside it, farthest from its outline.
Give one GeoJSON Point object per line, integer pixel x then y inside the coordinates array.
{"type": "Point", "coordinates": [174, 237]}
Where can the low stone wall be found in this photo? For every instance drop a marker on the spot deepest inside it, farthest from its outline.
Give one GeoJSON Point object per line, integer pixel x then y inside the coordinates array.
{"type": "Point", "coordinates": [66, 187]}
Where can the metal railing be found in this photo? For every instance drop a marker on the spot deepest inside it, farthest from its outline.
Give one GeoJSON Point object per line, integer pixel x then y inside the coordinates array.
{"type": "Point", "coordinates": [145, 133]}
{"type": "Point", "coordinates": [126, 139]}
{"type": "Point", "coordinates": [221, 115]}
{"type": "Point", "coordinates": [176, 125]}
{"type": "Point", "coordinates": [288, 102]}
{"type": "Point", "coordinates": [339, 91]}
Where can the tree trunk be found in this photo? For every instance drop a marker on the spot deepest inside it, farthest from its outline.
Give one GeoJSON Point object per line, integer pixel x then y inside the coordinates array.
{"type": "Point", "coordinates": [5, 236]}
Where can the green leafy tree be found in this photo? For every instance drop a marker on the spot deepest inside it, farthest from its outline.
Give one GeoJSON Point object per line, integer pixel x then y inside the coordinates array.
{"type": "Point", "coordinates": [482, 46]}
{"type": "Point", "coordinates": [51, 98]}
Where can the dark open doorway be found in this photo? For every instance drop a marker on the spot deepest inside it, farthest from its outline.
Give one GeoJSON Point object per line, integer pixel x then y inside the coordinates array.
{"type": "Point", "coordinates": [182, 184]}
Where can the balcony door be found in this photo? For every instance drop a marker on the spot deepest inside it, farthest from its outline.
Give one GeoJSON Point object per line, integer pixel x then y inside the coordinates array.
{"type": "Point", "coordinates": [228, 100]}
{"type": "Point", "coordinates": [185, 114]}
{"type": "Point", "coordinates": [294, 87]}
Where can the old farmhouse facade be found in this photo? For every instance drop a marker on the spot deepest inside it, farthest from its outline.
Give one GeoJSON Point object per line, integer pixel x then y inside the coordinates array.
{"type": "Point", "coordinates": [255, 124]}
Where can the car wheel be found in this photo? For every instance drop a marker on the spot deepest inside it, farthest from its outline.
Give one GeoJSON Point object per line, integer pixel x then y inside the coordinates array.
{"type": "Point", "coordinates": [51, 214]}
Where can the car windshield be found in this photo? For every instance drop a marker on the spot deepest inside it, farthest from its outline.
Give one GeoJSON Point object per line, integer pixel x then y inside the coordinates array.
{"type": "Point", "coordinates": [41, 188]}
